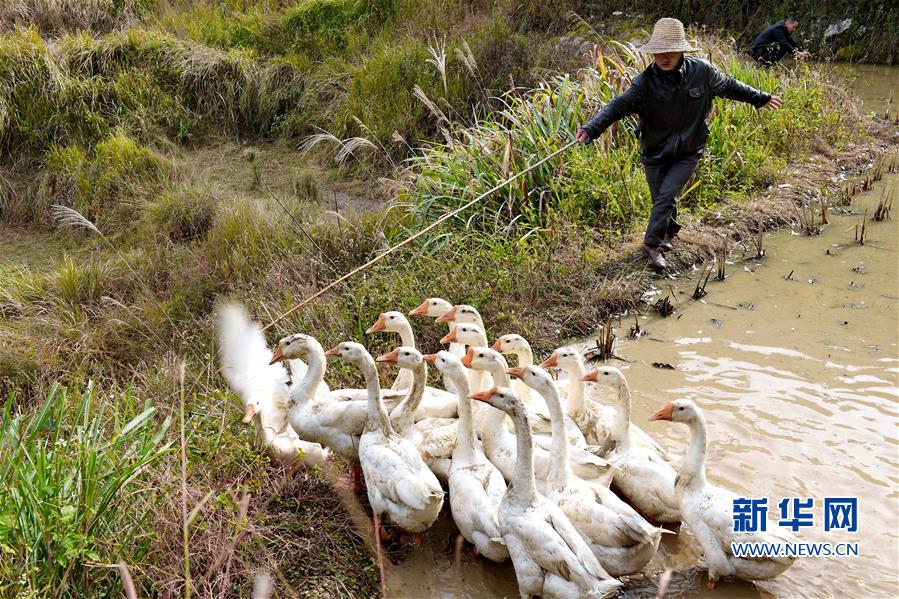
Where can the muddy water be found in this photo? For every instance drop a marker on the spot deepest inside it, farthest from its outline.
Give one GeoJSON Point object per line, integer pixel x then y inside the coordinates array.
{"type": "Point", "coordinates": [799, 381]}
{"type": "Point", "coordinates": [876, 84]}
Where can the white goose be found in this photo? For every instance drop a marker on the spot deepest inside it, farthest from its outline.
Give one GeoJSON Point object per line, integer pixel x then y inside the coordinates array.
{"type": "Point", "coordinates": [518, 346]}
{"type": "Point", "coordinates": [550, 557]}
{"type": "Point", "coordinates": [435, 438]}
{"type": "Point", "coordinates": [708, 510]}
{"type": "Point", "coordinates": [398, 481]}
{"type": "Point", "coordinates": [621, 540]}
{"type": "Point", "coordinates": [436, 307]}
{"type": "Point", "coordinates": [263, 388]}
{"type": "Point", "coordinates": [476, 487]}
{"type": "Point", "coordinates": [332, 419]}
{"type": "Point", "coordinates": [594, 419]}
{"type": "Point", "coordinates": [395, 322]}
{"type": "Point", "coordinates": [643, 476]}
{"type": "Point", "coordinates": [500, 444]}
{"type": "Point", "coordinates": [463, 314]}
{"type": "Point", "coordinates": [470, 335]}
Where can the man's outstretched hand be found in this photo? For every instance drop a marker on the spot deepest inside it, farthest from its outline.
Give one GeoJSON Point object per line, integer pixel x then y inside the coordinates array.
{"type": "Point", "coordinates": [582, 136]}
{"type": "Point", "coordinates": [774, 103]}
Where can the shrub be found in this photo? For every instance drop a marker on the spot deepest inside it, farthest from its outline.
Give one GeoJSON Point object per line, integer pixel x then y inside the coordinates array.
{"type": "Point", "coordinates": [380, 92]}
{"type": "Point", "coordinates": [110, 186]}
{"type": "Point", "coordinates": [602, 185]}
{"type": "Point", "coordinates": [322, 27]}
{"type": "Point", "coordinates": [182, 214]}
{"type": "Point", "coordinates": [56, 16]}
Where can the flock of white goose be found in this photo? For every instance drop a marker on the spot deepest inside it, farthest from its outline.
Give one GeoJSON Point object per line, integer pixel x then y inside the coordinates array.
{"type": "Point", "coordinates": [527, 465]}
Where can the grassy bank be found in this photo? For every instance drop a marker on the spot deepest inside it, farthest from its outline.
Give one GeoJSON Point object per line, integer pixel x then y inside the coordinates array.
{"type": "Point", "coordinates": [172, 129]}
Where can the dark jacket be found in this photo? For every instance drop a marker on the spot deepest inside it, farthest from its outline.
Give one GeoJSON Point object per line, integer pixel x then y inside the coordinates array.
{"type": "Point", "coordinates": [672, 106]}
{"type": "Point", "coordinates": [772, 44]}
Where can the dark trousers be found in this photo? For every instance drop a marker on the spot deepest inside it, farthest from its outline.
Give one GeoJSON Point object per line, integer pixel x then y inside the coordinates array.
{"type": "Point", "coordinates": [665, 182]}
{"type": "Point", "coordinates": [769, 54]}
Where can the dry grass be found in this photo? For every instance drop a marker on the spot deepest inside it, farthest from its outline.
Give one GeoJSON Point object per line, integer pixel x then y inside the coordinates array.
{"type": "Point", "coordinates": [57, 16]}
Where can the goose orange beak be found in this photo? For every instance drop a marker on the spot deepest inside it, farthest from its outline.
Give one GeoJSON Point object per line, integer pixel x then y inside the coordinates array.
{"type": "Point", "coordinates": [450, 337]}
{"type": "Point", "coordinates": [551, 362]}
{"type": "Point", "coordinates": [483, 395]}
{"type": "Point", "coordinates": [248, 415]}
{"type": "Point", "coordinates": [469, 356]}
{"type": "Point", "coordinates": [516, 372]}
{"type": "Point", "coordinates": [496, 346]}
{"type": "Point", "coordinates": [430, 358]}
{"type": "Point", "coordinates": [420, 309]}
{"type": "Point", "coordinates": [391, 357]}
{"type": "Point", "coordinates": [449, 316]}
{"type": "Point", "coordinates": [380, 325]}
{"type": "Point", "coordinates": [279, 355]}
{"type": "Point", "coordinates": [591, 376]}
{"type": "Point", "coordinates": [331, 352]}
{"type": "Point", "coordinates": [665, 413]}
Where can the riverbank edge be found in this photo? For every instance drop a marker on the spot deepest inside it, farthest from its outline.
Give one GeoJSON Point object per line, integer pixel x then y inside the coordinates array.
{"type": "Point", "coordinates": [735, 223]}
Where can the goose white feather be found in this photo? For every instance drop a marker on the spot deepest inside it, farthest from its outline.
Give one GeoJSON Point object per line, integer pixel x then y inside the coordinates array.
{"type": "Point", "coordinates": [550, 557]}
{"type": "Point", "coordinates": [642, 474]}
{"type": "Point", "coordinates": [398, 482]}
{"type": "Point", "coordinates": [262, 387]}
{"type": "Point", "coordinates": [435, 438]}
{"type": "Point", "coordinates": [476, 487]}
{"type": "Point", "coordinates": [707, 510]}
{"type": "Point", "coordinates": [621, 540]}
{"type": "Point", "coordinates": [500, 444]}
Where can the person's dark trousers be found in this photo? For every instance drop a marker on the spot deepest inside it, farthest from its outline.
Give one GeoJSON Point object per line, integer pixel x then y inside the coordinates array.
{"type": "Point", "coordinates": [665, 182]}
{"type": "Point", "coordinates": [766, 56]}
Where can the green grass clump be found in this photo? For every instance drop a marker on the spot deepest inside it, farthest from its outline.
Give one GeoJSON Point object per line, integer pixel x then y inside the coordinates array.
{"type": "Point", "coordinates": [181, 214]}
{"type": "Point", "coordinates": [110, 186]}
{"type": "Point", "coordinates": [73, 491]}
{"type": "Point", "coordinates": [321, 27]}
{"type": "Point", "coordinates": [150, 84]}
{"type": "Point", "coordinates": [602, 185]}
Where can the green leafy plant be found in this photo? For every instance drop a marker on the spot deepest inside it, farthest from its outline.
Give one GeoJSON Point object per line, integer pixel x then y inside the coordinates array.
{"type": "Point", "coordinates": [70, 495]}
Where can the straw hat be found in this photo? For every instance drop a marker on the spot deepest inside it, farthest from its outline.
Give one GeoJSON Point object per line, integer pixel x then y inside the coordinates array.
{"type": "Point", "coordinates": [667, 36]}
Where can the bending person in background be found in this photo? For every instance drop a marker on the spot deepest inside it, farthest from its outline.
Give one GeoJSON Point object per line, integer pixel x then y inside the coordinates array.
{"type": "Point", "coordinates": [775, 42]}
{"type": "Point", "coordinates": [672, 98]}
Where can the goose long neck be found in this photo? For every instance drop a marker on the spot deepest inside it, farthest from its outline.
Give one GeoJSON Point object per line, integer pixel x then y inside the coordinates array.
{"type": "Point", "coordinates": [523, 489]}
{"type": "Point", "coordinates": [404, 378]}
{"type": "Point", "coordinates": [493, 422]}
{"type": "Point", "coordinates": [405, 412]}
{"type": "Point", "coordinates": [377, 413]}
{"type": "Point", "coordinates": [576, 397]}
{"type": "Point", "coordinates": [465, 436]}
{"type": "Point", "coordinates": [622, 423]}
{"type": "Point", "coordinates": [407, 337]}
{"type": "Point", "coordinates": [693, 467]}
{"type": "Point", "coordinates": [525, 357]}
{"type": "Point", "coordinates": [559, 469]}
{"type": "Point", "coordinates": [315, 372]}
